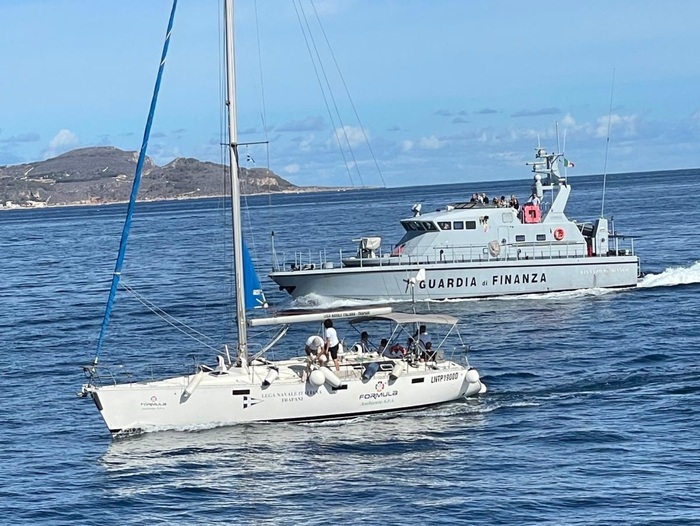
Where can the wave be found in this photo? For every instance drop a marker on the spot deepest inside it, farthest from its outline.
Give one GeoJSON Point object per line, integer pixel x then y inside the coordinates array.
{"type": "Point", "coordinates": [672, 276]}
{"type": "Point", "coordinates": [330, 303]}
{"type": "Point", "coordinates": [668, 278]}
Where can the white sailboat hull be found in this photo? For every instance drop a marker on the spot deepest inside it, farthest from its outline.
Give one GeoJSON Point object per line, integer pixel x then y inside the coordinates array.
{"type": "Point", "coordinates": [462, 280]}
{"type": "Point", "coordinates": [239, 396]}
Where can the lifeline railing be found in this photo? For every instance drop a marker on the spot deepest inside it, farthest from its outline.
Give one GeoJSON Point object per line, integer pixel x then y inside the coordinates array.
{"type": "Point", "coordinates": [531, 250]}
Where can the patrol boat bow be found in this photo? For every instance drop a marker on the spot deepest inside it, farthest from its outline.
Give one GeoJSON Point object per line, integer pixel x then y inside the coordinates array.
{"type": "Point", "coordinates": [473, 249]}
{"type": "Point", "coordinates": [254, 388]}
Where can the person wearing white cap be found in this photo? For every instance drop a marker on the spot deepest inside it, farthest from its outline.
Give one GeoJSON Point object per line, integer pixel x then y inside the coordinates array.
{"type": "Point", "coordinates": [313, 344]}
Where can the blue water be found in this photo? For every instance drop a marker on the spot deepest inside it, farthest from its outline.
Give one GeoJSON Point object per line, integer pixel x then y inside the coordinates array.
{"type": "Point", "coordinates": [592, 415]}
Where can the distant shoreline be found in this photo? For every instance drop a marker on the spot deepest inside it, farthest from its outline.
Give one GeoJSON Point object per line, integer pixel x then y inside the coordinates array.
{"type": "Point", "coordinates": [300, 190]}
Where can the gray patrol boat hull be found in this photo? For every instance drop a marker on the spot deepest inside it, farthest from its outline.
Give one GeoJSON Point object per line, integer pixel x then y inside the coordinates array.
{"type": "Point", "coordinates": [446, 281]}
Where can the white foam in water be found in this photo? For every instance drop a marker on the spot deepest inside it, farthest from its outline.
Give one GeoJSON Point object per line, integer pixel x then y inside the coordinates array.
{"type": "Point", "coordinates": [539, 296]}
{"type": "Point", "coordinates": [325, 302]}
{"type": "Point", "coordinates": [673, 276]}
{"type": "Point", "coordinates": [668, 278]}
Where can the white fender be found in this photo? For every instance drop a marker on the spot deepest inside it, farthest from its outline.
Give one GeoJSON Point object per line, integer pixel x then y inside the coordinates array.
{"type": "Point", "coordinates": [271, 376]}
{"type": "Point", "coordinates": [473, 376]}
{"type": "Point", "coordinates": [330, 377]}
{"type": "Point", "coordinates": [194, 382]}
{"type": "Point", "coordinates": [317, 378]}
{"type": "Point", "coordinates": [397, 370]}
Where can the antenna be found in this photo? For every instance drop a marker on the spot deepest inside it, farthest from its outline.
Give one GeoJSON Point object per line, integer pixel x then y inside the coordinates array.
{"type": "Point", "coordinates": [563, 148]}
{"type": "Point", "coordinates": [607, 144]}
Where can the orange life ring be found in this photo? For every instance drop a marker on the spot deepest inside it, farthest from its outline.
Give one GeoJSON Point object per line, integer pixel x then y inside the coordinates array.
{"type": "Point", "coordinates": [558, 234]}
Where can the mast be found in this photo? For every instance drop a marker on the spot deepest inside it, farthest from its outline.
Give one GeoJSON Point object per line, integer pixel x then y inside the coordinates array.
{"type": "Point", "coordinates": [235, 188]}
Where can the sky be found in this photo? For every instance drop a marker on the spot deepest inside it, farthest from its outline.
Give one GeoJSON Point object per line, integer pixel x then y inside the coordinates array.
{"type": "Point", "coordinates": [423, 91]}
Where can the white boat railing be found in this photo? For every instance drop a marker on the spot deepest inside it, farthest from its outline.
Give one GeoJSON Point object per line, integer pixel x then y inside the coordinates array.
{"type": "Point", "coordinates": [524, 250]}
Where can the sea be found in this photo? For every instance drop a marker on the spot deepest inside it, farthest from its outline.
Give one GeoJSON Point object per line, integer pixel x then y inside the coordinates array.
{"type": "Point", "coordinates": [592, 415]}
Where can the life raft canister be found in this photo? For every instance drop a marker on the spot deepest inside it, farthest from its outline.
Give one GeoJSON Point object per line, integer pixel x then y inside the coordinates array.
{"type": "Point", "coordinates": [558, 234]}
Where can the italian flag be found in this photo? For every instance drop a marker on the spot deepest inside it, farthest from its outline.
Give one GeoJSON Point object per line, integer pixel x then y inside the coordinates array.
{"type": "Point", "coordinates": [567, 163]}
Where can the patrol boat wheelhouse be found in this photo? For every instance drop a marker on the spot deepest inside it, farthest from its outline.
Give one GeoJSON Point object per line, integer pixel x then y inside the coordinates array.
{"type": "Point", "coordinates": [473, 249]}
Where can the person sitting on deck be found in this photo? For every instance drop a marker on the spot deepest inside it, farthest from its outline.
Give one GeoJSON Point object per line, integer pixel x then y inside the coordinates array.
{"type": "Point", "coordinates": [364, 345]}
{"type": "Point", "coordinates": [419, 339]}
{"type": "Point", "coordinates": [428, 354]}
{"type": "Point", "coordinates": [395, 351]}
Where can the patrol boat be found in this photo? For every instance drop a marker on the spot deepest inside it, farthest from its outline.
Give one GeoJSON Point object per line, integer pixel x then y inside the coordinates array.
{"type": "Point", "coordinates": [473, 249]}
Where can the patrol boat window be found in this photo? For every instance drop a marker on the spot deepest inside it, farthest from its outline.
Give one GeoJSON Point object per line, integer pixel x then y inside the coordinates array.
{"type": "Point", "coordinates": [520, 238]}
{"type": "Point", "coordinates": [413, 225]}
{"type": "Point", "coordinates": [458, 225]}
{"type": "Point", "coordinates": [541, 237]}
{"type": "Point", "coordinates": [431, 227]}
{"type": "Point", "coordinates": [470, 225]}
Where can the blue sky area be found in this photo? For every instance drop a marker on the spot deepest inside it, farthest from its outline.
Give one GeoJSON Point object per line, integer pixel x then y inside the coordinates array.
{"type": "Point", "coordinates": [447, 91]}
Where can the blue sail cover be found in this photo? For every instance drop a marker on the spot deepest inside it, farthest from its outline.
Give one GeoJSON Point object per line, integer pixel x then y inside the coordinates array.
{"type": "Point", "coordinates": [254, 295]}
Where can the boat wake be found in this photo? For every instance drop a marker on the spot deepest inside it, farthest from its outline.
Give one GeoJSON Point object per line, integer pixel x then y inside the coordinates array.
{"type": "Point", "coordinates": [672, 276]}
{"type": "Point", "coordinates": [325, 302]}
{"type": "Point", "coordinates": [563, 295]}
{"type": "Point", "coordinates": [668, 278]}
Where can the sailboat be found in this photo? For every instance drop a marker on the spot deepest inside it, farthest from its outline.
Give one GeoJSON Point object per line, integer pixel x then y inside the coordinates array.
{"type": "Point", "coordinates": [246, 388]}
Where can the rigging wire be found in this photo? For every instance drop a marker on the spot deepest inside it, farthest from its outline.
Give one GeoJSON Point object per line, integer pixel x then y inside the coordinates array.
{"type": "Point", "coordinates": [607, 145]}
{"type": "Point", "coordinates": [116, 275]}
{"type": "Point", "coordinates": [223, 215]}
{"type": "Point", "coordinates": [330, 93]}
{"type": "Point", "coordinates": [347, 92]}
{"type": "Point", "coordinates": [263, 116]}
{"type": "Point", "coordinates": [323, 91]}
{"type": "Point", "coordinates": [174, 322]}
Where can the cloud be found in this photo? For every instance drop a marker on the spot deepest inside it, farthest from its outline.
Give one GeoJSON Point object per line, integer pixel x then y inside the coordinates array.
{"type": "Point", "coordinates": [62, 142]}
{"type": "Point", "coordinates": [306, 144]}
{"type": "Point", "coordinates": [450, 113]}
{"type": "Point", "coordinates": [22, 137]}
{"type": "Point", "coordinates": [393, 129]}
{"type": "Point", "coordinates": [460, 120]}
{"type": "Point", "coordinates": [568, 121]}
{"type": "Point", "coordinates": [291, 168]}
{"type": "Point", "coordinates": [158, 135]}
{"type": "Point", "coordinates": [485, 111]}
{"type": "Point", "coordinates": [307, 124]}
{"type": "Point", "coordinates": [407, 145]}
{"type": "Point", "coordinates": [627, 124]}
{"type": "Point", "coordinates": [535, 113]}
{"type": "Point", "coordinates": [431, 143]}
{"type": "Point", "coordinates": [350, 135]}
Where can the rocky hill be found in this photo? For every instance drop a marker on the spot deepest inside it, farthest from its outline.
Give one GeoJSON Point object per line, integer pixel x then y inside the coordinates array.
{"type": "Point", "coordinates": [105, 175]}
